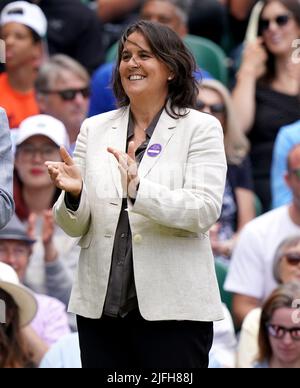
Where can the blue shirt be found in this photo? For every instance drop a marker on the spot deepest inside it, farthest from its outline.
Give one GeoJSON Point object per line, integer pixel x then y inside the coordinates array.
{"type": "Point", "coordinates": [65, 354]}
{"type": "Point", "coordinates": [102, 96]}
{"type": "Point", "coordinates": [287, 139]}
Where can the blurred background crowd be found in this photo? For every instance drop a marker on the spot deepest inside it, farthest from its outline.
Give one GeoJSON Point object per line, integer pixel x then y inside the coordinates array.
{"type": "Point", "coordinates": [60, 57]}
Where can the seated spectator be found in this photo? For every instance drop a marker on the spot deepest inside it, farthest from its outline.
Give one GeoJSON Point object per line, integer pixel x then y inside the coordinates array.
{"type": "Point", "coordinates": [279, 333]}
{"type": "Point", "coordinates": [38, 140]}
{"type": "Point", "coordinates": [266, 95]}
{"type": "Point", "coordinates": [63, 90]}
{"type": "Point", "coordinates": [51, 322]}
{"type": "Point", "coordinates": [74, 30]}
{"type": "Point", "coordinates": [207, 18]}
{"type": "Point", "coordinates": [250, 275]}
{"type": "Point", "coordinates": [287, 139]}
{"type": "Point", "coordinates": [23, 27]}
{"type": "Point", "coordinates": [174, 14]}
{"type": "Point", "coordinates": [238, 204]}
{"type": "Point", "coordinates": [65, 354]}
{"type": "Point", "coordinates": [286, 269]}
{"type": "Point", "coordinates": [20, 346]}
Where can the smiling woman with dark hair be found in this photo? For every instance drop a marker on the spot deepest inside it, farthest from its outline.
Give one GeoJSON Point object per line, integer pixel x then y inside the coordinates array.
{"type": "Point", "coordinates": [171, 52]}
{"type": "Point", "coordinates": [154, 172]}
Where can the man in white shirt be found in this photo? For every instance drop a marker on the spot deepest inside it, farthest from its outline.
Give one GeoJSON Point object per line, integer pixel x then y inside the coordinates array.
{"type": "Point", "coordinates": [250, 275]}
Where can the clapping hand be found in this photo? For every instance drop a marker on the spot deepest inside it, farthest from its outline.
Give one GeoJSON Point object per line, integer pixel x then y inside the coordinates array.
{"type": "Point", "coordinates": [66, 175]}
{"type": "Point", "coordinates": [47, 234]}
{"type": "Point", "coordinates": [128, 169]}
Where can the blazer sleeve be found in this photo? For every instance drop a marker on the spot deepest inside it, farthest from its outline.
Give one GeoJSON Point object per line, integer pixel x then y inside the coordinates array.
{"type": "Point", "coordinates": [197, 205]}
{"type": "Point", "coordinates": [76, 223]}
{"type": "Point", "coordinates": [6, 174]}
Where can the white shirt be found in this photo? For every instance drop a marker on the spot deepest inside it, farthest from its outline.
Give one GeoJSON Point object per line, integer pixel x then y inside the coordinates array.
{"type": "Point", "coordinates": [251, 268]}
{"type": "Point", "coordinates": [223, 351]}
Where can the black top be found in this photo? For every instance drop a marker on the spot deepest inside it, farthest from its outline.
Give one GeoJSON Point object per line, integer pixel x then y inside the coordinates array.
{"type": "Point", "coordinates": [75, 30]}
{"type": "Point", "coordinates": [239, 177]}
{"type": "Point", "coordinates": [273, 111]}
{"type": "Point", "coordinates": [121, 293]}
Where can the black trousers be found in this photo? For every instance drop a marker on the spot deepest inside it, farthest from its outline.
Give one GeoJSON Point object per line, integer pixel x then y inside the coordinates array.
{"type": "Point", "coordinates": [132, 342]}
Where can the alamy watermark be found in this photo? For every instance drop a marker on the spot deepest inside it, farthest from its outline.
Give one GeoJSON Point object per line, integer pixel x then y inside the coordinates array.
{"type": "Point", "coordinates": [2, 51]}
{"type": "Point", "coordinates": [2, 312]}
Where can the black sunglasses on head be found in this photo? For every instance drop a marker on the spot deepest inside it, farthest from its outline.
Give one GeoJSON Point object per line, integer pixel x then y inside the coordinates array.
{"type": "Point", "coordinates": [69, 94]}
{"type": "Point", "coordinates": [281, 21]}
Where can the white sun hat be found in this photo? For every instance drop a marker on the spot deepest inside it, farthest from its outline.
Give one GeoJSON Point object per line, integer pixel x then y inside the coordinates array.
{"type": "Point", "coordinates": [22, 296]}
{"type": "Point", "coordinates": [29, 15]}
{"type": "Point", "coordinates": [43, 125]}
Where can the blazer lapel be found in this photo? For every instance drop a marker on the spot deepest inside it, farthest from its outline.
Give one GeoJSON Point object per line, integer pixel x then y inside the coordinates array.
{"type": "Point", "coordinates": [118, 139]}
{"type": "Point", "coordinates": [162, 135]}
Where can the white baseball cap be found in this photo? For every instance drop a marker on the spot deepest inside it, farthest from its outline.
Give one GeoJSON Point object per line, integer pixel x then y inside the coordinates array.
{"type": "Point", "coordinates": [23, 297]}
{"type": "Point", "coordinates": [43, 125]}
{"type": "Point", "coordinates": [27, 14]}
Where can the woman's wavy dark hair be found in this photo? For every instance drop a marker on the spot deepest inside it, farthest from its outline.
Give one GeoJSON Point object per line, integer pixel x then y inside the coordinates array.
{"type": "Point", "coordinates": [168, 48]}
{"type": "Point", "coordinates": [293, 6]}
{"type": "Point", "coordinates": [13, 351]}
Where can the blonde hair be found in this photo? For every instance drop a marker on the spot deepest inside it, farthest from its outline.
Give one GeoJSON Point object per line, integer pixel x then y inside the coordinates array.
{"type": "Point", "coordinates": [236, 143]}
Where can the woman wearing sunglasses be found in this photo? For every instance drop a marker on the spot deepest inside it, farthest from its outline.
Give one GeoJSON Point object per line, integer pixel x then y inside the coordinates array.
{"type": "Point", "coordinates": [267, 89]}
{"type": "Point", "coordinates": [238, 202]}
{"type": "Point", "coordinates": [286, 270]}
{"type": "Point", "coordinates": [279, 333]}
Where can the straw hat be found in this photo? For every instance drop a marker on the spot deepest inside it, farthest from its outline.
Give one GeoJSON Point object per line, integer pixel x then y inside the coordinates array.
{"type": "Point", "coordinates": [22, 296]}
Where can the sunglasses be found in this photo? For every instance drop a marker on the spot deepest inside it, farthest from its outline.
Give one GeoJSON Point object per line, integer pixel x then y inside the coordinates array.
{"type": "Point", "coordinates": [281, 21]}
{"type": "Point", "coordinates": [279, 332]}
{"type": "Point", "coordinates": [214, 108]}
{"type": "Point", "coordinates": [70, 94]}
{"type": "Point", "coordinates": [293, 258]}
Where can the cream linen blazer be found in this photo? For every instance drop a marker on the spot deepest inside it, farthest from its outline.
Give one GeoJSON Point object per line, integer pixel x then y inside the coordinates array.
{"type": "Point", "coordinates": [180, 195]}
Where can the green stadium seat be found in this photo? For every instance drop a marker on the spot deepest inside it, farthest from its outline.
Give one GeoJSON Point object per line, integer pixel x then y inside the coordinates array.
{"type": "Point", "coordinates": [222, 271]}
{"type": "Point", "coordinates": [209, 56]}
